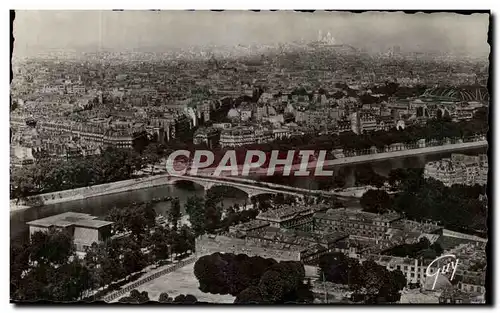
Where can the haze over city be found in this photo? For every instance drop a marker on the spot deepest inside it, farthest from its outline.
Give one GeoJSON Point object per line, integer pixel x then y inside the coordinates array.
{"type": "Point", "coordinates": [160, 31]}
{"type": "Point", "coordinates": [243, 157]}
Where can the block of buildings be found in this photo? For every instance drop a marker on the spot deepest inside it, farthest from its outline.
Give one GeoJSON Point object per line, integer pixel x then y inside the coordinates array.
{"type": "Point", "coordinates": [362, 224]}
{"type": "Point", "coordinates": [289, 216]}
{"type": "Point", "coordinates": [459, 169]}
{"type": "Point", "coordinates": [256, 238]}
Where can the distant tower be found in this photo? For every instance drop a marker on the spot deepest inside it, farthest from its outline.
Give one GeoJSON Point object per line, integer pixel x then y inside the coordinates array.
{"type": "Point", "coordinates": [320, 35]}
{"type": "Point", "coordinates": [328, 39]}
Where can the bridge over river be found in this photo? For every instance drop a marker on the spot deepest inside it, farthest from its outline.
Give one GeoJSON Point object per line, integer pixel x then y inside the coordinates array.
{"type": "Point", "coordinates": [249, 186]}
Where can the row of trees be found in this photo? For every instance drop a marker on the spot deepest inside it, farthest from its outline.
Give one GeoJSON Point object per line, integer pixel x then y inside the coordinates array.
{"type": "Point", "coordinates": [48, 268]}
{"type": "Point", "coordinates": [136, 297]}
{"type": "Point", "coordinates": [435, 129]}
{"type": "Point", "coordinates": [370, 283]}
{"type": "Point", "coordinates": [253, 279]}
{"type": "Point", "coordinates": [139, 220]}
{"type": "Point", "coordinates": [49, 175]}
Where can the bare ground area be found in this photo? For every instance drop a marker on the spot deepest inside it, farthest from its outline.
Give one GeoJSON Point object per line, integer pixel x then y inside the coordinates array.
{"type": "Point", "coordinates": [179, 282]}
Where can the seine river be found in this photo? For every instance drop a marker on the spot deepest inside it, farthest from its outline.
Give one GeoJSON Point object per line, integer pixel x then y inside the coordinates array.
{"type": "Point", "coordinates": [99, 206]}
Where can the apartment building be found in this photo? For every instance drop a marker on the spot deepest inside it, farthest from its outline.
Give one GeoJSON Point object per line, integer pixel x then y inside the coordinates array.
{"type": "Point", "coordinates": [459, 169]}
{"type": "Point", "coordinates": [289, 216]}
{"type": "Point", "coordinates": [362, 224]}
{"type": "Point", "coordinates": [363, 121]}
{"type": "Point", "coordinates": [413, 269]}
{"type": "Point", "coordinates": [237, 136]}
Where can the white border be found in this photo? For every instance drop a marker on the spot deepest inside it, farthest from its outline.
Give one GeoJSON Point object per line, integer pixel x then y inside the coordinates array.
{"type": "Point", "coordinates": [190, 4]}
{"type": "Point", "coordinates": [255, 4]}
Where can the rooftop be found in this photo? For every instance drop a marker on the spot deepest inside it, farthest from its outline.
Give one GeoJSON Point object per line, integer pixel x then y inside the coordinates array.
{"type": "Point", "coordinates": [283, 212]}
{"type": "Point", "coordinates": [366, 217]}
{"type": "Point", "coordinates": [68, 219]}
{"type": "Point", "coordinates": [92, 223]}
{"type": "Point", "coordinates": [295, 237]}
{"type": "Point", "coordinates": [253, 224]}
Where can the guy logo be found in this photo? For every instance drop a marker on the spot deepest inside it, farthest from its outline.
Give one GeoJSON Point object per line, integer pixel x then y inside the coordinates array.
{"type": "Point", "coordinates": [443, 269]}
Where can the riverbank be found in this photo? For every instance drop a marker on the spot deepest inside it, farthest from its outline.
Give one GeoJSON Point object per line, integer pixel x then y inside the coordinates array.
{"type": "Point", "coordinates": [354, 192]}
{"type": "Point", "coordinates": [353, 160]}
{"type": "Point", "coordinates": [405, 153]}
{"type": "Point", "coordinates": [89, 192]}
{"type": "Point", "coordinates": [163, 179]}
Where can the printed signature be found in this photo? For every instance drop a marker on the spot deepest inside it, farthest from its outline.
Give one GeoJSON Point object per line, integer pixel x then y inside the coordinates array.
{"type": "Point", "coordinates": [452, 264]}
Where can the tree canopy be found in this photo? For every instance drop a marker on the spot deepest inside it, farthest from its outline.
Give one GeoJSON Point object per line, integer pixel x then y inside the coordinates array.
{"type": "Point", "coordinates": [459, 207]}
{"type": "Point", "coordinates": [370, 282]}
{"type": "Point", "coordinates": [49, 175]}
{"type": "Point", "coordinates": [376, 201]}
{"type": "Point", "coordinates": [252, 279]}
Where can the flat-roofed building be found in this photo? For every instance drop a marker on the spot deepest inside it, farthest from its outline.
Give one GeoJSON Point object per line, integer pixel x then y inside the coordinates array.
{"type": "Point", "coordinates": [248, 227]}
{"type": "Point", "coordinates": [362, 224]}
{"type": "Point", "coordinates": [289, 216]}
{"type": "Point", "coordinates": [255, 238]}
{"type": "Point", "coordinates": [85, 229]}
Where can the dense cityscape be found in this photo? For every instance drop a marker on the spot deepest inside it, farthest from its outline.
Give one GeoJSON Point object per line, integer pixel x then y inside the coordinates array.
{"type": "Point", "coordinates": [97, 216]}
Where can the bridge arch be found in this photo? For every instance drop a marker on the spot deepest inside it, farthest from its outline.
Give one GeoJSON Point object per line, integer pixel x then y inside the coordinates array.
{"type": "Point", "coordinates": [175, 181]}
{"type": "Point", "coordinates": [249, 188]}
{"type": "Point", "coordinates": [249, 191]}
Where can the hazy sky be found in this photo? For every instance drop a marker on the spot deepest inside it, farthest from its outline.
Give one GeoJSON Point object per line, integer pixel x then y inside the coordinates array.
{"type": "Point", "coordinates": [447, 32]}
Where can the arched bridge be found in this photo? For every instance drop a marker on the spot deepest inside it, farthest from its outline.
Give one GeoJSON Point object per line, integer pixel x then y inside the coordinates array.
{"type": "Point", "coordinates": [250, 189]}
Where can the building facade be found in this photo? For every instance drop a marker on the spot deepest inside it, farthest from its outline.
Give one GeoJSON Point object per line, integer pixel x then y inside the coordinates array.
{"type": "Point", "coordinates": [287, 216]}
{"type": "Point", "coordinates": [459, 169]}
{"type": "Point", "coordinates": [362, 224]}
{"type": "Point", "coordinates": [84, 228]}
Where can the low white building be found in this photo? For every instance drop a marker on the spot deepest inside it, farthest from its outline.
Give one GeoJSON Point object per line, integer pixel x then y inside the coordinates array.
{"type": "Point", "coordinates": [85, 229]}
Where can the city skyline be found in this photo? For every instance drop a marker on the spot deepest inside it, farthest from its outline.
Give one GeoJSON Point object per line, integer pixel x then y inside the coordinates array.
{"type": "Point", "coordinates": [160, 31]}
{"type": "Point", "coordinates": [244, 157]}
